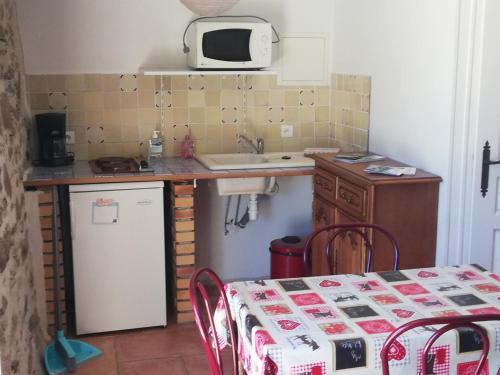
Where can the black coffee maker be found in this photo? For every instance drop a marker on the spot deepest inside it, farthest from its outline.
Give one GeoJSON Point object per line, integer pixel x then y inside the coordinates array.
{"type": "Point", "coordinates": [51, 130]}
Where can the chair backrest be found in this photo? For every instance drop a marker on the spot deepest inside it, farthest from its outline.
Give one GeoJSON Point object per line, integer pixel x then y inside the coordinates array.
{"type": "Point", "coordinates": [358, 228]}
{"type": "Point", "coordinates": [465, 321]}
{"type": "Point", "coordinates": [201, 282]}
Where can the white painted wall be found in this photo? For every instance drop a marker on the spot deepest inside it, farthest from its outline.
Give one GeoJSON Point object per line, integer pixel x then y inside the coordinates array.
{"type": "Point", "coordinates": [120, 36]}
{"type": "Point", "coordinates": [244, 253]}
{"type": "Point", "coordinates": [409, 49]}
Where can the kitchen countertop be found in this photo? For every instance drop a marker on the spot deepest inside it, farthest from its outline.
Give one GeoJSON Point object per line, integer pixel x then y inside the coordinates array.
{"type": "Point", "coordinates": [166, 169]}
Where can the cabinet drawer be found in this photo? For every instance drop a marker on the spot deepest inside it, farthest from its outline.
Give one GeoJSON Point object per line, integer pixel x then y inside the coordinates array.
{"type": "Point", "coordinates": [351, 198]}
{"type": "Point", "coordinates": [324, 185]}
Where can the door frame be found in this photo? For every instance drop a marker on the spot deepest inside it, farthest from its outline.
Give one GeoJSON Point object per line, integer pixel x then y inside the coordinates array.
{"type": "Point", "coordinates": [465, 129]}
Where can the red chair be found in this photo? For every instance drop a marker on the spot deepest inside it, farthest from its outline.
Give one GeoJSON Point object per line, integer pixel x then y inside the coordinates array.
{"type": "Point", "coordinates": [201, 281]}
{"type": "Point", "coordinates": [465, 321]}
{"type": "Point", "coordinates": [337, 229]}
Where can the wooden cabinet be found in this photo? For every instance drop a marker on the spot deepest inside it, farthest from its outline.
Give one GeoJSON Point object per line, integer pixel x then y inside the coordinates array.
{"type": "Point", "coordinates": [406, 206]}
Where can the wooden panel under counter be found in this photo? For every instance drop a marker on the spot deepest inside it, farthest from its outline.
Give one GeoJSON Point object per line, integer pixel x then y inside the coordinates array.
{"type": "Point", "coordinates": [406, 206]}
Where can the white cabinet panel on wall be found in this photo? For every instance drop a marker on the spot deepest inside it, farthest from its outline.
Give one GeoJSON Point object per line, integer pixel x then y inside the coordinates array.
{"type": "Point", "coordinates": [303, 60]}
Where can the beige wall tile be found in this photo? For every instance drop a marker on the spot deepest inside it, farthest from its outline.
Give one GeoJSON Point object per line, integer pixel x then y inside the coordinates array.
{"type": "Point", "coordinates": [322, 114]}
{"type": "Point", "coordinates": [56, 83]}
{"type": "Point", "coordinates": [94, 117]}
{"type": "Point", "coordinates": [146, 83]}
{"type": "Point", "coordinates": [196, 98]}
{"type": "Point", "coordinates": [274, 145]}
{"type": "Point", "coordinates": [129, 117]}
{"type": "Point", "coordinates": [213, 83]}
{"type": "Point", "coordinates": [81, 151]}
{"type": "Point", "coordinates": [322, 96]}
{"type": "Point", "coordinates": [307, 130]}
{"type": "Point", "coordinates": [76, 118]}
{"type": "Point", "coordinates": [260, 97]}
{"type": "Point", "coordinates": [179, 99]}
{"type": "Point", "coordinates": [179, 83]}
{"type": "Point", "coordinates": [306, 114]}
{"type": "Point", "coordinates": [39, 101]}
{"type": "Point", "coordinates": [58, 101]}
{"type": "Point", "coordinates": [231, 98]}
{"type": "Point", "coordinates": [111, 82]}
{"type": "Point", "coordinates": [291, 115]}
{"type": "Point", "coordinates": [128, 100]}
{"type": "Point", "coordinates": [80, 134]}
{"type": "Point", "coordinates": [111, 99]}
{"type": "Point", "coordinates": [292, 145]}
{"type": "Point", "coordinates": [306, 97]}
{"type": "Point", "coordinates": [130, 133]}
{"type": "Point", "coordinates": [113, 133]}
{"type": "Point", "coordinates": [112, 117]}
{"type": "Point", "coordinates": [93, 100]}
{"type": "Point", "coordinates": [93, 82]}
{"type": "Point", "coordinates": [197, 115]}
{"type": "Point", "coordinates": [128, 82]}
{"type": "Point", "coordinates": [214, 132]}
{"type": "Point", "coordinates": [180, 131]}
{"type": "Point", "coordinates": [146, 131]}
{"type": "Point", "coordinates": [75, 82]}
{"type": "Point", "coordinates": [149, 116]}
{"type": "Point", "coordinates": [258, 82]}
{"type": "Point", "coordinates": [212, 115]}
{"type": "Point", "coordinates": [146, 99]}
{"type": "Point", "coordinates": [321, 129]}
{"type": "Point", "coordinates": [198, 131]}
{"type": "Point", "coordinates": [113, 149]}
{"type": "Point", "coordinates": [276, 98]}
{"type": "Point", "coordinates": [38, 84]}
{"type": "Point", "coordinates": [212, 98]}
{"type": "Point", "coordinates": [75, 101]}
{"type": "Point", "coordinates": [196, 82]}
{"type": "Point", "coordinates": [180, 116]}
{"type": "Point", "coordinates": [291, 98]}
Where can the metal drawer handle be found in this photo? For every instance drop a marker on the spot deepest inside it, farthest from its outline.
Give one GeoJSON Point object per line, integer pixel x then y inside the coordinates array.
{"type": "Point", "coordinates": [346, 198]}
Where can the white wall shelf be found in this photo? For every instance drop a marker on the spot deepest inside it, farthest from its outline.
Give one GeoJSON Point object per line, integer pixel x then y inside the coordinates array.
{"type": "Point", "coordinates": [180, 72]}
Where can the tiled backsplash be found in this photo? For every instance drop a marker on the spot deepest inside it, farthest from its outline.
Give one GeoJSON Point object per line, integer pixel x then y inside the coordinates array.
{"type": "Point", "coordinates": [116, 114]}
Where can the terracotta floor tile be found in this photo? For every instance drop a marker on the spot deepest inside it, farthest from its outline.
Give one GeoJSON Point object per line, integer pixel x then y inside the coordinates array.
{"type": "Point", "coordinates": [104, 364]}
{"type": "Point", "coordinates": [198, 364]}
{"type": "Point", "coordinates": [173, 366]}
{"type": "Point", "coordinates": [177, 340]}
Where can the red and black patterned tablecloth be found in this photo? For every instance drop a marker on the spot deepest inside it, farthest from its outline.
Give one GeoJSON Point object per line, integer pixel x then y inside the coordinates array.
{"type": "Point", "coordinates": [338, 323]}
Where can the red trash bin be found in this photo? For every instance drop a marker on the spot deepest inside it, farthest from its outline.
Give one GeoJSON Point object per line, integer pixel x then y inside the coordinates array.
{"type": "Point", "coordinates": [287, 257]}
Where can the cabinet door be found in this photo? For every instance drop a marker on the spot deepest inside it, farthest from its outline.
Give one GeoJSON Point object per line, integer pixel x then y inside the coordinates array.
{"type": "Point", "coordinates": [349, 254]}
{"type": "Point", "coordinates": [323, 215]}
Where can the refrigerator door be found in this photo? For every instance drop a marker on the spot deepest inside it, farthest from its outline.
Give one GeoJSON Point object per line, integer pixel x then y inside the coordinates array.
{"type": "Point", "coordinates": [118, 259]}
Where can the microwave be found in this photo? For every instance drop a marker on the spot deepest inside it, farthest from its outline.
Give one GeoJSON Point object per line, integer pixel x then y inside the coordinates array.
{"type": "Point", "coordinates": [229, 46]}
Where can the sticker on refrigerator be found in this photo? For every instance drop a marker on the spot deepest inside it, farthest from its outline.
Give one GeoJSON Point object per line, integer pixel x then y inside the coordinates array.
{"type": "Point", "coordinates": [104, 211]}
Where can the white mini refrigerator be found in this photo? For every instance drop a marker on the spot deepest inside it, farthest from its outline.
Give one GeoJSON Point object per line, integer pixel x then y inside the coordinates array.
{"type": "Point", "coordinates": [118, 256]}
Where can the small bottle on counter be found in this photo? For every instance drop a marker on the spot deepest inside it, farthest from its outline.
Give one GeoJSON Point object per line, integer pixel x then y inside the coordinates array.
{"type": "Point", "coordinates": [187, 146]}
{"type": "Point", "coordinates": [156, 145]}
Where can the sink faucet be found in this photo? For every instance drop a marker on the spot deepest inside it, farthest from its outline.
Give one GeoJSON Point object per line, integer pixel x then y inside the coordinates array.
{"type": "Point", "coordinates": [259, 148]}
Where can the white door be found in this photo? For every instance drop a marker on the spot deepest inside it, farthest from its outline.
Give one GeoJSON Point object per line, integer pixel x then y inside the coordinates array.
{"type": "Point", "coordinates": [484, 240]}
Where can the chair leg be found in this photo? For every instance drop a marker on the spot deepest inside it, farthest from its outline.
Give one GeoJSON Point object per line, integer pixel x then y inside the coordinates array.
{"type": "Point", "coordinates": [241, 370]}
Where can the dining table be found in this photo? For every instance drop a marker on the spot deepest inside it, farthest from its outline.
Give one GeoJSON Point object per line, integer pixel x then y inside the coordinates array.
{"type": "Point", "coordinates": [338, 323]}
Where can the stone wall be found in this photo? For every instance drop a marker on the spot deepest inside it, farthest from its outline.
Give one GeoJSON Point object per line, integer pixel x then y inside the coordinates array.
{"type": "Point", "coordinates": [21, 336]}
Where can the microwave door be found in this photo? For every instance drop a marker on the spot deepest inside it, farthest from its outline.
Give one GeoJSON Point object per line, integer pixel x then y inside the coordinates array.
{"type": "Point", "coordinates": [228, 45]}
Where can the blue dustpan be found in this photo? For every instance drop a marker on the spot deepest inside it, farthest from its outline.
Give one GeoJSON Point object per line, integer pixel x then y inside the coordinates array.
{"type": "Point", "coordinates": [63, 355]}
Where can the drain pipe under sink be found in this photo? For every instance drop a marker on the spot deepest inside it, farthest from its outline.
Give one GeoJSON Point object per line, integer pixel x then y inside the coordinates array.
{"type": "Point", "coordinates": [252, 203]}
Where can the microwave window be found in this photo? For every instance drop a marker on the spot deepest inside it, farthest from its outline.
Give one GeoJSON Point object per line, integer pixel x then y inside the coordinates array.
{"type": "Point", "coordinates": [227, 45]}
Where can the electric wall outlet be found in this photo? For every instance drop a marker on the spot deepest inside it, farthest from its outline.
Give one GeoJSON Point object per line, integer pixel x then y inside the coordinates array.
{"type": "Point", "coordinates": [286, 131]}
{"type": "Point", "coordinates": [70, 137]}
